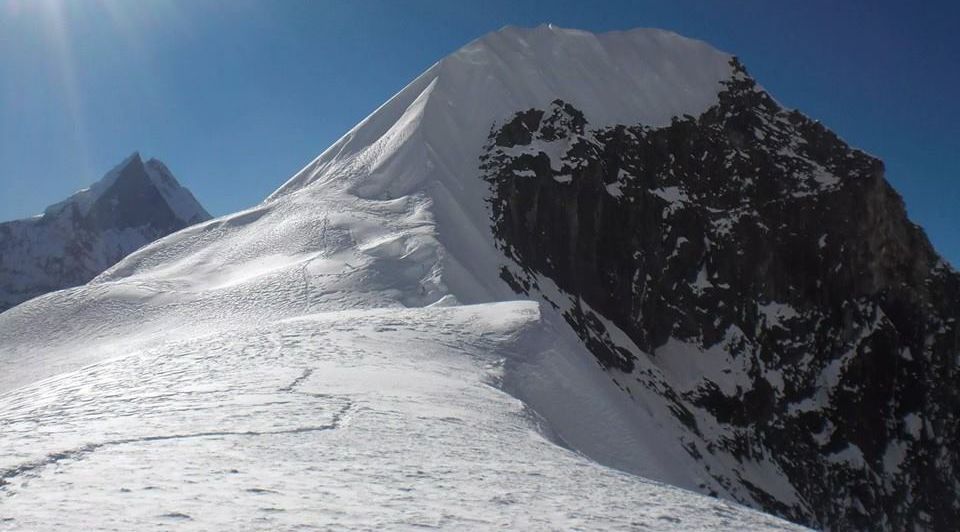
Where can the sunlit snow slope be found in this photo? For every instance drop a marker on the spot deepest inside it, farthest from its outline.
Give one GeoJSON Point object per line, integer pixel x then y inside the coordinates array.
{"type": "Point", "coordinates": [337, 355]}
{"type": "Point", "coordinates": [357, 419]}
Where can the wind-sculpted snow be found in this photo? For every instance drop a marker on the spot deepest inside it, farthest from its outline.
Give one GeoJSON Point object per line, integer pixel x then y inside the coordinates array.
{"type": "Point", "coordinates": [317, 251]}
{"type": "Point", "coordinates": [353, 420]}
{"type": "Point", "coordinates": [426, 140]}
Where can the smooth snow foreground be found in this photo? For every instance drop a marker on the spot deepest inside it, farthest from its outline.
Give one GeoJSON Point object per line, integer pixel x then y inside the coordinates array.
{"type": "Point", "coordinates": [311, 362]}
{"type": "Point", "coordinates": [360, 419]}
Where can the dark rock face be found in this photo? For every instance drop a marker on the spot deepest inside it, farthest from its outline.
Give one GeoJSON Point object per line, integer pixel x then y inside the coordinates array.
{"type": "Point", "coordinates": [132, 201]}
{"type": "Point", "coordinates": [754, 243]}
{"type": "Point", "coordinates": [74, 241]}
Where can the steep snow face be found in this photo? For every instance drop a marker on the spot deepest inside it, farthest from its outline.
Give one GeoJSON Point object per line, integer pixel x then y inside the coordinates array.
{"type": "Point", "coordinates": [427, 139]}
{"type": "Point", "coordinates": [643, 76]}
{"type": "Point", "coordinates": [78, 238]}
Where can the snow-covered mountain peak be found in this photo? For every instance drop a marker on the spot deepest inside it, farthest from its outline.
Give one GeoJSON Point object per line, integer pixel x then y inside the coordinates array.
{"type": "Point", "coordinates": [136, 177]}
{"type": "Point", "coordinates": [426, 141]}
{"type": "Point", "coordinates": [84, 198]}
{"type": "Point", "coordinates": [645, 76]}
{"type": "Point", "coordinates": [78, 238]}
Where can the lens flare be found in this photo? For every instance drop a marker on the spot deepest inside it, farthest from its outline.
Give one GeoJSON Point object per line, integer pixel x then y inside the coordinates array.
{"type": "Point", "coordinates": [69, 35]}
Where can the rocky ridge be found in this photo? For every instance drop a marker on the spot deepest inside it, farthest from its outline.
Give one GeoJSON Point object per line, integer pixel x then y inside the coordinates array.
{"type": "Point", "coordinates": [763, 277]}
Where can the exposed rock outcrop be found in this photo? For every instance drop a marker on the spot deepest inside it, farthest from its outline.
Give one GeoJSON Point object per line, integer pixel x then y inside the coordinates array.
{"type": "Point", "coordinates": [756, 254]}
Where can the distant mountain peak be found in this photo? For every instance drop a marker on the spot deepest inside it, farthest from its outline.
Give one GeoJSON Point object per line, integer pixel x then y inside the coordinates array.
{"type": "Point", "coordinates": [136, 179]}
{"type": "Point", "coordinates": [74, 240]}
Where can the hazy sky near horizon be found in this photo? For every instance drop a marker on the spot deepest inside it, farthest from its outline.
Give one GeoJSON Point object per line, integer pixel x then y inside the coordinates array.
{"type": "Point", "coordinates": [237, 95]}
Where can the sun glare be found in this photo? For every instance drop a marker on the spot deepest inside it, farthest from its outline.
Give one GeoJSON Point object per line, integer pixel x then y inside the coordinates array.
{"type": "Point", "coordinates": [63, 31]}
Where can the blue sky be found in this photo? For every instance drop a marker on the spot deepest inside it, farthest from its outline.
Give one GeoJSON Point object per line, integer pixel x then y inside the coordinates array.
{"type": "Point", "coordinates": [236, 95]}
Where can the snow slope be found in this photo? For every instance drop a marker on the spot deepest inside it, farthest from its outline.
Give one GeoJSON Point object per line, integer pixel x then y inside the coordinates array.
{"type": "Point", "coordinates": [312, 359]}
{"type": "Point", "coordinates": [426, 140]}
{"type": "Point", "coordinates": [391, 214]}
{"type": "Point", "coordinates": [354, 420]}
